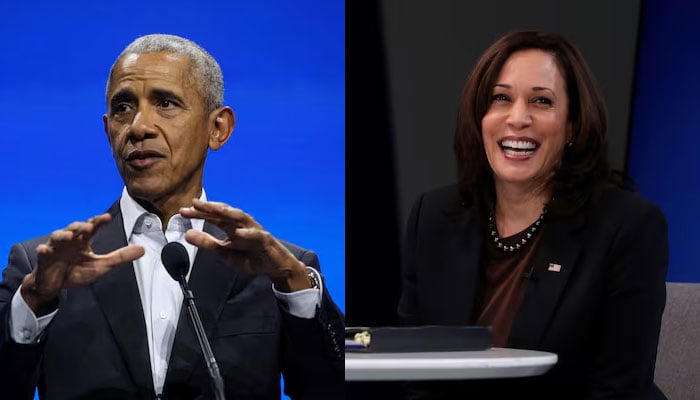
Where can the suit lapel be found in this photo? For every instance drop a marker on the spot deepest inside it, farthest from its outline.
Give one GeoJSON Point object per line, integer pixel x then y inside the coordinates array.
{"type": "Point", "coordinates": [553, 264]}
{"type": "Point", "coordinates": [211, 282]}
{"type": "Point", "coordinates": [460, 274]}
{"type": "Point", "coordinates": [118, 295]}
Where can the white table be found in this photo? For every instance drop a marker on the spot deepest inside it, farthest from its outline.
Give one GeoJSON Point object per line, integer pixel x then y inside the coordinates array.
{"type": "Point", "coordinates": [493, 363]}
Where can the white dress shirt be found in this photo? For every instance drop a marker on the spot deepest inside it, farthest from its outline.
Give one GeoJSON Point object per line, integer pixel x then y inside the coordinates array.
{"type": "Point", "coordinates": [161, 296]}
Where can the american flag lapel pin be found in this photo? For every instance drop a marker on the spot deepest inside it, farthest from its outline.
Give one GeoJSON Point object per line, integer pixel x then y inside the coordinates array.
{"type": "Point", "coordinates": [554, 267]}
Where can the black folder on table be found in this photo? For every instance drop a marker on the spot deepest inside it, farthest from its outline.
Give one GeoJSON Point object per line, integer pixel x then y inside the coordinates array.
{"type": "Point", "coordinates": [427, 338]}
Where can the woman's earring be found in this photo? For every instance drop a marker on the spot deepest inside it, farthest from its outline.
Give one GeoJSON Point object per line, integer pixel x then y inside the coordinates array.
{"type": "Point", "coordinates": [569, 143]}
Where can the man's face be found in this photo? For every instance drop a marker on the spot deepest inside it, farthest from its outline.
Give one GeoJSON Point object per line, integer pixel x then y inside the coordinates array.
{"type": "Point", "coordinates": [157, 127]}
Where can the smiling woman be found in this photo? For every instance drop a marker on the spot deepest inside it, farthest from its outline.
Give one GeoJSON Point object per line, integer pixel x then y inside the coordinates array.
{"type": "Point", "coordinates": [525, 128]}
{"type": "Point", "coordinates": [538, 239]}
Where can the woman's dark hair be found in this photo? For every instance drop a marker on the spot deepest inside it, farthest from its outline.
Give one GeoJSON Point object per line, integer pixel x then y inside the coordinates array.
{"type": "Point", "coordinates": [584, 164]}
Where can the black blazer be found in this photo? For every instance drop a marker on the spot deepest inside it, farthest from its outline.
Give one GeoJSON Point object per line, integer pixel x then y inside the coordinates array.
{"type": "Point", "coordinates": [600, 314]}
{"type": "Point", "coordinates": [96, 348]}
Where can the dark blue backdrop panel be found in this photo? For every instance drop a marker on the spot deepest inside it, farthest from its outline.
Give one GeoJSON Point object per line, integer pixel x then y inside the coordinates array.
{"type": "Point", "coordinates": [284, 72]}
{"type": "Point", "coordinates": [664, 140]}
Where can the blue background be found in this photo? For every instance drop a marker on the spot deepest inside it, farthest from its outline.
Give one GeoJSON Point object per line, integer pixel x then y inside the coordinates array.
{"type": "Point", "coordinates": [284, 75]}
{"type": "Point", "coordinates": [665, 136]}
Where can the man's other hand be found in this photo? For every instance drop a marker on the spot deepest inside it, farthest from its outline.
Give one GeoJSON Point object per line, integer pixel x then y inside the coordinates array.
{"type": "Point", "coordinates": [247, 245]}
{"type": "Point", "coordinates": [66, 260]}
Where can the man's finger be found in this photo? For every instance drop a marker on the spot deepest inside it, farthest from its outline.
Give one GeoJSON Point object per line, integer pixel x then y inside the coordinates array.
{"type": "Point", "coordinates": [81, 230]}
{"type": "Point", "coordinates": [125, 254]}
{"type": "Point", "coordinates": [222, 210]}
{"type": "Point", "coordinates": [99, 220]}
{"type": "Point", "coordinates": [61, 235]}
{"type": "Point", "coordinates": [88, 228]}
{"type": "Point", "coordinates": [44, 249]}
{"type": "Point", "coordinates": [203, 240]}
{"type": "Point", "coordinates": [250, 239]}
{"type": "Point", "coordinates": [210, 206]}
{"type": "Point", "coordinates": [74, 226]}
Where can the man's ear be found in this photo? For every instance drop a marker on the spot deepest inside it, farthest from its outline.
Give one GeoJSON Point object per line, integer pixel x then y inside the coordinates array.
{"type": "Point", "coordinates": [222, 120]}
{"type": "Point", "coordinates": [105, 122]}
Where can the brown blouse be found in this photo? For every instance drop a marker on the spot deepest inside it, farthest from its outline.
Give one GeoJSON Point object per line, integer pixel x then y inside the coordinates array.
{"type": "Point", "coordinates": [501, 289]}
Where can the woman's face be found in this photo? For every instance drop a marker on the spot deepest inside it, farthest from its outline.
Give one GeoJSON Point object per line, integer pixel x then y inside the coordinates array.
{"type": "Point", "coordinates": [526, 126]}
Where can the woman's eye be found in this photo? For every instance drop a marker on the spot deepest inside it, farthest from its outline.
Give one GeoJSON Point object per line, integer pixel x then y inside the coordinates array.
{"type": "Point", "coordinates": [499, 97]}
{"type": "Point", "coordinates": [542, 100]}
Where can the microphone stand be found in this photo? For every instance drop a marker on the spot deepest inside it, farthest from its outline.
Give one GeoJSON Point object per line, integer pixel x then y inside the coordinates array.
{"type": "Point", "coordinates": [217, 381]}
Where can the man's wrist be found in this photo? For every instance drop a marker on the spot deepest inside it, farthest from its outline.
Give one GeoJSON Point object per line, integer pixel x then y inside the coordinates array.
{"type": "Point", "coordinates": [39, 303]}
{"type": "Point", "coordinates": [298, 279]}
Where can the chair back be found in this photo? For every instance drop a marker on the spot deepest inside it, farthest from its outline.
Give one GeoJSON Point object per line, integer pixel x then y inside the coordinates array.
{"type": "Point", "coordinates": [678, 357]}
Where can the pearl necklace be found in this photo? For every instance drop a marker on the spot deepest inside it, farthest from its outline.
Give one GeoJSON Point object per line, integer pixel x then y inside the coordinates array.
{"type": "Point", "coordinates": [519, 240]}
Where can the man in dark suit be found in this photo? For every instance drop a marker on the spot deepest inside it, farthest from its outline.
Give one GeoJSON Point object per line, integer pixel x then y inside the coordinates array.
{"type": "Point", "coordinates": [89, 311]}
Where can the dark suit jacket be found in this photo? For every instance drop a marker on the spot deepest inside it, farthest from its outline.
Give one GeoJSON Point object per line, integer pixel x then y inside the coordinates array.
{"type": "Point", "coordinates": [96, 348]}
{"type": "Point", "coordinates": [600, 314]}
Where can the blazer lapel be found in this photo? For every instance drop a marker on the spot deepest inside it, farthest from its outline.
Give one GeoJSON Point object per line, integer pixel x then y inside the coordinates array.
{"type": "Point", "coordinates": [460, 273]}
{"type": "Point", "coordinates": [552, 265]}
{"type": "Point", "coordinates": [118, 294]}
{"type": "Point", "coordinates": [211, 282]}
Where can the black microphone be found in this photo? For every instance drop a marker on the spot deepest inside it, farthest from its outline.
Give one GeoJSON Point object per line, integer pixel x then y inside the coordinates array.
{"type": "Point", "coordinates": [177, 263]}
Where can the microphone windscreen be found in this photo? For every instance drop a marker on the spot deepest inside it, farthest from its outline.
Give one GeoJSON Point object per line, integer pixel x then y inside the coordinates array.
{"type": "Point", "coordinates": [175, 260]}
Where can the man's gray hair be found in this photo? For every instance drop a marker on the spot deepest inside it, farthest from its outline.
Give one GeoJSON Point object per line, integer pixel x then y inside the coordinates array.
{"type": "Point", "coordinates": [204, 70]}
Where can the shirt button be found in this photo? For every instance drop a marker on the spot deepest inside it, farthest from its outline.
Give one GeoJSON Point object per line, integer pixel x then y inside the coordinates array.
{"type": "Point", "coordinates": [163, 315]}
{"type": "Point", "coordinates": [148, 223]}
{"type": "Point", "coordinates": [26, 335]}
